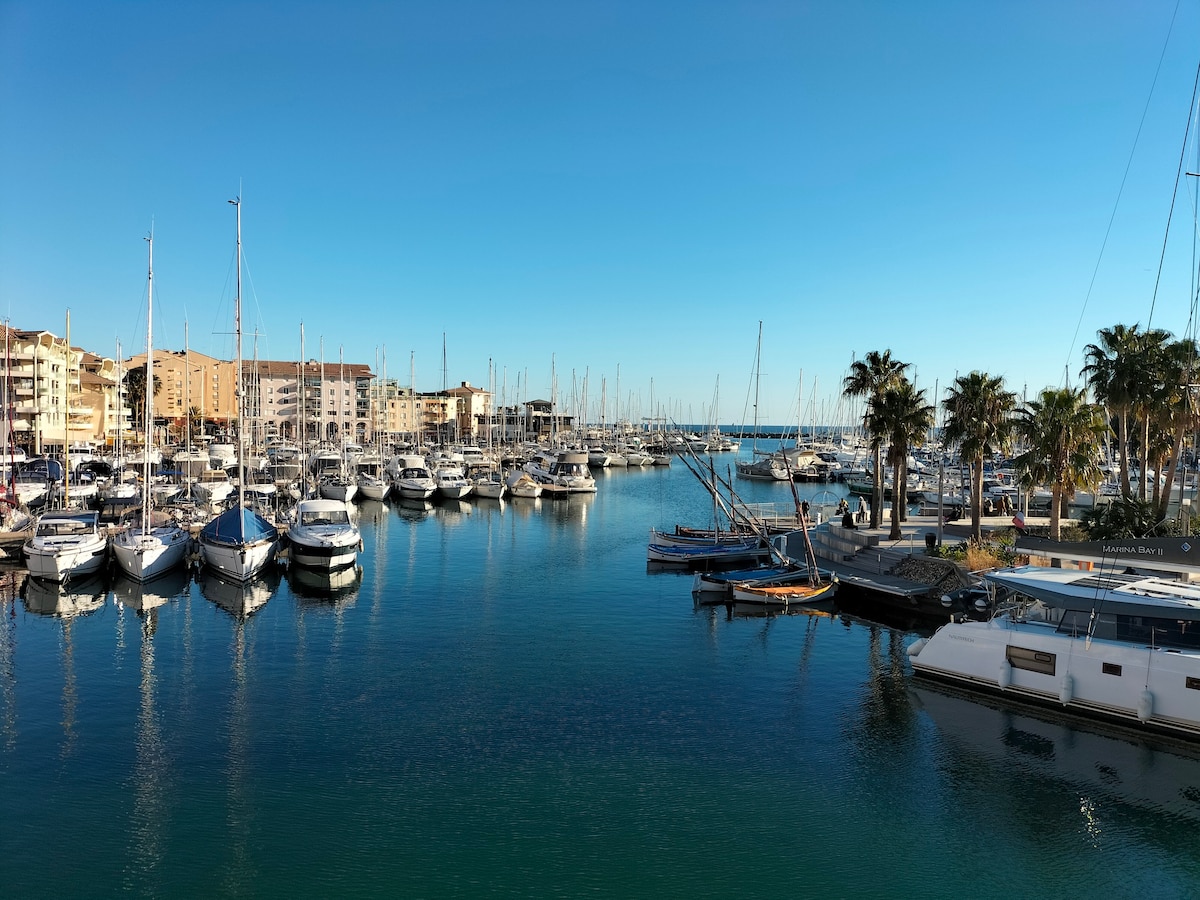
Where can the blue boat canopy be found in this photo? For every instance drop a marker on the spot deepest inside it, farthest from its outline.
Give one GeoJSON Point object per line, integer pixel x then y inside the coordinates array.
{"type": "Point", "coordinates": [224, 529]}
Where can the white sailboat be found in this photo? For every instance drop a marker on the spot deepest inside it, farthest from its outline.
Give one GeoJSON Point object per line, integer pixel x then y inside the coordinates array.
{"type": "Point", "coordinates": [147, 550]}
{"type": "Point", "coordinates": [770, 467]}
{"type": "Point", "coordinates": [239, 543]}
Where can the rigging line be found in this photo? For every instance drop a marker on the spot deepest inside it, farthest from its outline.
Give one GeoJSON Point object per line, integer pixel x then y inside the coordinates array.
{"type": "Point", "coordinates": [1124, 178]}
{"type": "Point", "coordinates": [1174, 194]}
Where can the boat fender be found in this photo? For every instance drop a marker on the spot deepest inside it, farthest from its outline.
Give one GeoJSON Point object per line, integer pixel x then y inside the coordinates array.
{"type": "Point", "coordinates": [1145, 706]}
{"type": "Point", "coordinates": [1004, 676]}
{"type": "Point", "coordinates": [1066, 689]}
{"type": "Point", "coordinates": [915, 648]}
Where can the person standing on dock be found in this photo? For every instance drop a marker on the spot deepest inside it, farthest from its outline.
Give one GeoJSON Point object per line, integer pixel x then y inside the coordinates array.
{"type": "Point", "coordinates": [861, 514]}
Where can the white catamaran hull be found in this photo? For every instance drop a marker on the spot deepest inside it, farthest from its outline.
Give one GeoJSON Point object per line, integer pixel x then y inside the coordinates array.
{"type": "Point", "coordinates": [1122, 681]}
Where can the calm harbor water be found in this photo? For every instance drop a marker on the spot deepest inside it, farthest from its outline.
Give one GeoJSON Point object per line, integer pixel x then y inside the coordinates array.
{"type": "Point", "coordinates": [506, 701]}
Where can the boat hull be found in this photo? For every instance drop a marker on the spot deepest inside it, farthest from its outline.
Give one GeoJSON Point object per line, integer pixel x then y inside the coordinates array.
{"type": "Point", "coordinates": [1152, 688]}
{"type": "Point", "coordinates": [330, 555]}
{"type": "Point", "coordinates": [146, 555]}
{"type": "Point", "coordinates": [59, 562]}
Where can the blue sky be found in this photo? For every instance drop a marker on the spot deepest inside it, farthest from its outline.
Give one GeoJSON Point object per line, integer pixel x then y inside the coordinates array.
{"type": "Point", "coordinates": [593, 186]}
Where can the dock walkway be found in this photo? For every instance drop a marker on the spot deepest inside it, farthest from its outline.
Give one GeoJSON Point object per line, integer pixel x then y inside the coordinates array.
{"type": "Point", "coordinates": [865, 557]}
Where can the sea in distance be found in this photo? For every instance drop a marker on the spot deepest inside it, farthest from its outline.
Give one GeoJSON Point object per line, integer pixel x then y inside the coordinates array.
{"type": "Point", "coordinates": [505, 699]}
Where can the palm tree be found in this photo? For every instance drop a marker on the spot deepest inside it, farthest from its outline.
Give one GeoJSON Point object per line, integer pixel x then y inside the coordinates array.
{"type": "Point", "coordinates": [135, 393]}
{"type": "Point", "coordinates": [1063, 432]}
{"type": "Point", "coordinates": [1176, 414]}
{"type": "Point", "coordinates": [979, 422]}
{"type": "Point", "coordinates": [901, 415]}
{"type": "Point", "coordinates": [868, 378]}
{"type": "Point", "coordinates": [1112, 374]}
{"type": "Point", "coordinates": [1157, 378]}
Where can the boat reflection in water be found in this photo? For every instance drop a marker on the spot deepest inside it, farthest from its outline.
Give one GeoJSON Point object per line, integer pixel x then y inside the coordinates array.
{"type": "Point", "coordinates": [1104, 766]}
{"type": "Point", "coordinates": [240, 599]}
{"type": "Point", "coordinates": [66, 601]}
{"type": "Point", "coordinates": [413, 509]}
{"type": "Point", "coordinates": [141, 597]}
{"type": "Point", "coordinates": [337, 585]}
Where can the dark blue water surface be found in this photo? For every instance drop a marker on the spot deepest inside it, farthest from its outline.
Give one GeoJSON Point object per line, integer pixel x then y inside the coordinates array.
{"type": "Point", "coordinates": [505, 701]}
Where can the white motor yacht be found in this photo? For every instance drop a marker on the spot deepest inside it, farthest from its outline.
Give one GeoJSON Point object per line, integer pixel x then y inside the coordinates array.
{"type": "Point", "coordinates": [323, 534]}
{"type": "Point", "coordinates": [415, 483]}
{"type": "Point", "coordinates": [452, 483]}
{"type": "Point", "coordinates": [66, 544]}
{"type": "Point", "coordinates": [1121, 647]}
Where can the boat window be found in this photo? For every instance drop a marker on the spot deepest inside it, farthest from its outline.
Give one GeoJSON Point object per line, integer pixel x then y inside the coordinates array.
{"type": "Point", "coordinates": [1075, 622]}
{"type": "Point", "coordinates": [1031, 660]}
{"type": "Point", "coordinates": [1192, 683]}
{"type": "Point", "coordinates": [1152, 632]}
{"type": "Point", "coordinates": [1110, 669]}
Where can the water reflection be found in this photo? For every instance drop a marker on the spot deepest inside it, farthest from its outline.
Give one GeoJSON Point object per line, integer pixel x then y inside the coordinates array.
{"type": "Point", "coordinates": [152, 764]}
{"type": "Point", "coordinates": [64, 600]}
{"type": "Point", "coordinates": [1101, 766]}
{"type": "Point", "coordinates": [450, 510]}
{"type": "Point", "coordinates": [572, 508]}
{"type": "Point", "coordinates": [144, 596]}
{"type": "Point", "coordinates": [339, 586]}
{"type": "Point", "coordinates": [372, 511]}
{"type": "Point", "coordinates": [10, 587]}
{"type": "Point", "coordinates": [412, 510]}
{"type": "Point", "coordinates": [240, 599]}
{"type": "Point", "coordinates": [887, 718]}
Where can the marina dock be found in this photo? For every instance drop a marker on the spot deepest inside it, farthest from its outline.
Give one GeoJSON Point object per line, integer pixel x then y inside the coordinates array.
{"type": "Point", "coordinates": [867, 559]}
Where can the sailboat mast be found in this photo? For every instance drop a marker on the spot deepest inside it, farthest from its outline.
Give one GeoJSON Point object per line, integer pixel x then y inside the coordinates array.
{"type": "Point", "coordinates": [187, 398]}
{"type": "Point", "coordinates": [303, 424]}
{"type": "Point", "coordinates": [148, 404]}
{"type": "Point", "coordinates": [67, 425]}
{"type": "Point", "coordinates": [237, 326]}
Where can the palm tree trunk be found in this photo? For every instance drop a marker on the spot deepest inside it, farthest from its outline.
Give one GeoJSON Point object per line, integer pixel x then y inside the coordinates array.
{"type": "Point", "coordinates": [1172, 469]}
{"type": "Point", "coordinates": [897, 498]}
{"type": "Point", "coordinates": [1145, 456]}
{"type": "Point", "coordinates": [1123, 453]}
{"type": "Point", "coordinates": [877, 489]}
{"type": "Point", "coordinates": [976, 498]}
{"type": "Point", "coordinates": [1056, 495]}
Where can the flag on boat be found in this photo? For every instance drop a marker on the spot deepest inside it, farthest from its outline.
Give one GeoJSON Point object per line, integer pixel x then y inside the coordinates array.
{"type": "Point", "coordinates": [1019, 521]}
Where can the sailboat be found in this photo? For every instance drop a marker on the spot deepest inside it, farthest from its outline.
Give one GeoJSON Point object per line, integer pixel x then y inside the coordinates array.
{"type": "Point", "coordinates": [148, 550]}
{"type": "Point", "coordinates": [239, 542]}
{"type": "Point", "coordinates": [764, 467]}
{"type": "Point", "coordinates": [490, 484]}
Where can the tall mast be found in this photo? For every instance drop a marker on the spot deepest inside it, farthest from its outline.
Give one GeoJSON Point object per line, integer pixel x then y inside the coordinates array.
{"type": "Point", "coordinates": [67, 424]}
{"type": "Point", "coordinates": [302, 425]}
{"type": "Point", "coordinates": [148, 399]}
{"type": "Point", "coordinates": [237, 325]}
{"type": "Point", "coordinates": [187, 397]}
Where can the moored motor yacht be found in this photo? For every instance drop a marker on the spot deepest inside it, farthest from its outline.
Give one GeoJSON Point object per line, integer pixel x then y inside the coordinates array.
{"type": "Point", "coordinates": [1116, 646]}
{"type": "Point", "coordinates": [323, 535]}
{"type": "Point", "coordinates": [568, 469]}
{"type": "Point", "coordinates": [452, 483]}
{"type": "Point", "coordinates": [66, 544]}
{"type": "Point", "coordinates": [415, 483]}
